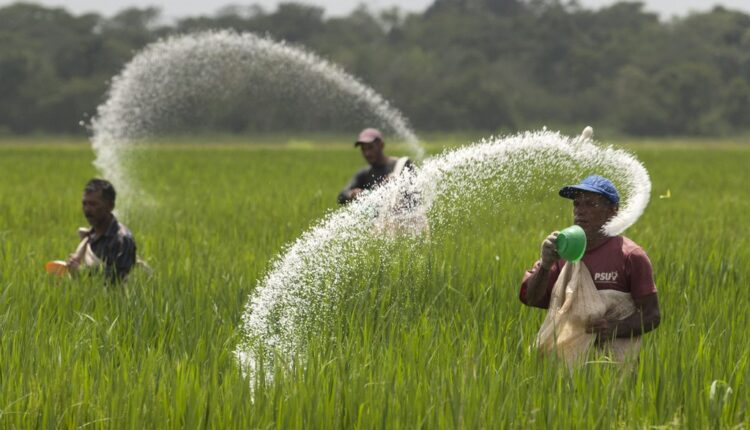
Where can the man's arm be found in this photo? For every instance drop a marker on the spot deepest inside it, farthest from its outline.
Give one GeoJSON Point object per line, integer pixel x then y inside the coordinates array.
{"type": "Point", "coordinates": [537, 284]}
{"type": "Point", "coordinates": [536, 287]}
{"type": "Point", "coordinates": [646, 317]}
{"type": "Point", "coordinates": [352, 190]}
{"type": "Point", "coordinates": [74, 260]}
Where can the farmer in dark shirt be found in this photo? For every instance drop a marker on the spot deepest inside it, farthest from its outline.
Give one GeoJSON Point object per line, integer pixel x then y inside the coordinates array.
{"type": "Point", "coordinates": [381, 166]}
{"type": "Point", "coordinates": [108, 244]}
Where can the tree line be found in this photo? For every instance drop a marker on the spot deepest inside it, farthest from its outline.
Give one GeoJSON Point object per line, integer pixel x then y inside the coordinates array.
{"type": "Point", "coordinates": [490, 65]}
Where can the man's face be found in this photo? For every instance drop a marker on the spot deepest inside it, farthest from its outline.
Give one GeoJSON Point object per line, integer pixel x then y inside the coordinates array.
{"type": "Point", "coordinates": [372, 151]}
{"type": "Point", "coordinates": [95, 208]}
{"type": "Point", "coordinates": [591, 211]}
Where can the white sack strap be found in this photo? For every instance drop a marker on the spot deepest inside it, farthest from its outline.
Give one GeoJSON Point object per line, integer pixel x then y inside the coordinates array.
{"type": "Point", "coordinates": [399, 167]}
{"type": "Point", "coordinates": [85, 255]}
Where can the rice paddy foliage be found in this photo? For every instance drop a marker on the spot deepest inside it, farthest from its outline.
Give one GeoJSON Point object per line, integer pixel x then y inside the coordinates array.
{"type": "Point", "coordinates": [436, 339]}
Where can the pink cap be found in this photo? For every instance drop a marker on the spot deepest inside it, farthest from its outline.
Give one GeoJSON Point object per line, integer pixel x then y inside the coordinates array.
{"type": "Point", "coordinates": [368, 135]}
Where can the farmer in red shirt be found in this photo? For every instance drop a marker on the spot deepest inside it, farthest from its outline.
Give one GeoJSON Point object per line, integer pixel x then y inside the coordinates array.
{"type": "Point", "coordinates": [615, 262]}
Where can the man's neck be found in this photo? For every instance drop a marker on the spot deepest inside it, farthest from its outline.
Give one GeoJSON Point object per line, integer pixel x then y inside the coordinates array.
{"type": "Point", "coordinates": [596, 240]}
{"type": "Point", "coordinates": [101, 228]}
{"type": "Point", "coordinates": [382, 161]}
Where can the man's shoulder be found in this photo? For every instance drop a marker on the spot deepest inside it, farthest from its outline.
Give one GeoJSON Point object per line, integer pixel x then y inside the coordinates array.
{"type": "Point", "coordinates": [123, 233]}
{"type": "Point", "coordinates": [398, 164]}
{"type": "Point", "coordinates": [396, 160]}
{"type": "Point", "coordinates": [629, 245]}
{"type": "Point", "coordinates": [631, 249]}
{"type": "Point", "coordinates": [363, 171]}
{"type": "Point", "coordinates": [620, 245]}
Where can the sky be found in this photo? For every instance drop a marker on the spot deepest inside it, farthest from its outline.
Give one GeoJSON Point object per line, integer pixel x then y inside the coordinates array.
{"type": "Point", "coordinates": [172, 9]}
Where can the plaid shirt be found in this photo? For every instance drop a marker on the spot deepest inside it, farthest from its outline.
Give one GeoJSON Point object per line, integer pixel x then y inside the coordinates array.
{"type": "Point", "coordinates": [116, 248]}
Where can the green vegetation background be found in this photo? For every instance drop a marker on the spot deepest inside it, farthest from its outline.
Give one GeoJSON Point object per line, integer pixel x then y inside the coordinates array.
{"type": "Point", "coordinates": [440, 344]}
{"type": "Point", "coordinates": [490, 65]}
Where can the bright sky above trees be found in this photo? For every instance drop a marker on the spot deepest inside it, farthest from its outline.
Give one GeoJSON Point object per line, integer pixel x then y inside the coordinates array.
{"type": "Point", "coordinates": [181, 8]}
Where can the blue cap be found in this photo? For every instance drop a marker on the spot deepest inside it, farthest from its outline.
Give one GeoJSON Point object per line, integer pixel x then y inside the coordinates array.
{"type": "Point", "coordinates": [595, 184]}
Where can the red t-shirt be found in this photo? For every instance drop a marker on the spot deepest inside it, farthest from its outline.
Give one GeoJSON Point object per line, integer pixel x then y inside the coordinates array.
{"type": "Point", "coordinates": [617, 264]}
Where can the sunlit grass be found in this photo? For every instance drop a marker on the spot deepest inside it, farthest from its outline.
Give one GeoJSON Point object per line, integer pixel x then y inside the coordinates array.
{"type": "Point", "coordinates": [438, 339]}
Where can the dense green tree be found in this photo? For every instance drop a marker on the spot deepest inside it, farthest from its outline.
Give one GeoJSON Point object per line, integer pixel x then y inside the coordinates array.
{"type": "Point", "coordinates": [462, 64]}
{"type": "Point", "coordinates": [635, 107]}
{"type": "Point", "coordinates": [688, 93]}
{"type": "Point", "coordinates": [736, 103]}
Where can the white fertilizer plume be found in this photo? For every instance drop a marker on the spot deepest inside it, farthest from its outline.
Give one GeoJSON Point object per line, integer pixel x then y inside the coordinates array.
{"type": "Point", "coordinates": [170, 85]}
{"type": "Point", "coordinates": [306, 282]}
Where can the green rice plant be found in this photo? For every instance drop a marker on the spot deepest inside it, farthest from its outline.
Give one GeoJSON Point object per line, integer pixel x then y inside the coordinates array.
{"type": "Point", "coordinates": [431, 335]}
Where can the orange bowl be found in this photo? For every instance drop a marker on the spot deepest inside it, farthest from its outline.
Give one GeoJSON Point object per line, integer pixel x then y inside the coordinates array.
{"type": "Point", "coordinates": [57, 267]}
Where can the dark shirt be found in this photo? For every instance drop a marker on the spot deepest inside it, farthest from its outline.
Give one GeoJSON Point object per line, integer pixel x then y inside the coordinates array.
{"type": "Point", "coordinates": [370, 177]}
{"type": "Point", "coordinates": [116, 248]}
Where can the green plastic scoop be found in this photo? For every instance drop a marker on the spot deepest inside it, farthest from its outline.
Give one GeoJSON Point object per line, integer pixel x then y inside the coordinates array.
{"type": "Point", "coordinates": [571, 243]}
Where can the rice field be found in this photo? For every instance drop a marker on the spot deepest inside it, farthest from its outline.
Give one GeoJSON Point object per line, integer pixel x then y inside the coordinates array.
{"type": "Point", "coordinates": [438, 341]}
